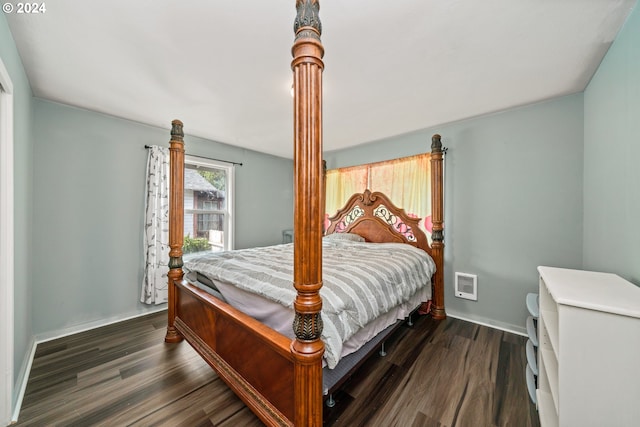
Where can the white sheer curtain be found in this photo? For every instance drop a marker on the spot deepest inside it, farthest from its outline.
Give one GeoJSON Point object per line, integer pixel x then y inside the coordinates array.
{"type": "Point", "coordinates": [156, 230]}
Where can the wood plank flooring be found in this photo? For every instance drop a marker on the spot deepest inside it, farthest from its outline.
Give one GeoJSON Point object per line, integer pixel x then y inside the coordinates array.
{"type": "Point", "coordinates": [448, 373]}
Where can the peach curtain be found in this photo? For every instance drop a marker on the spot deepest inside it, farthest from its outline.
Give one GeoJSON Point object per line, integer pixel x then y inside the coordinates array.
{"type": "Point", "coordinates": [406, 181]}
{"type": "Point", "coordinates": [341, 184]}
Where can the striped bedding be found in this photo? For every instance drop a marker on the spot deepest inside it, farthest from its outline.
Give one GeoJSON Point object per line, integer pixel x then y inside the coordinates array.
{"type": "Point", "coordinates": [360, 281]}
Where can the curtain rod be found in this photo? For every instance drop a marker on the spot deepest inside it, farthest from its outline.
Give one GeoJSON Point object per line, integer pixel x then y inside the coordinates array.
{"type": "Point", "coordinates": [207, 158]}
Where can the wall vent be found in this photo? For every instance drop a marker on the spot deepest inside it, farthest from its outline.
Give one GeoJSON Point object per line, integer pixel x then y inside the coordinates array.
{"type": "Point", "coordinates": [466, 286]}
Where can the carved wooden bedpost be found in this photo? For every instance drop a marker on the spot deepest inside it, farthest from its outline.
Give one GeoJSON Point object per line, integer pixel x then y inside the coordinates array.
{"type": "Point", "coordinates": [308, 348]}
{"type": "Point", "coordinates": [176, 220]}
{"type": "Point", "coordinates": [437, 234]}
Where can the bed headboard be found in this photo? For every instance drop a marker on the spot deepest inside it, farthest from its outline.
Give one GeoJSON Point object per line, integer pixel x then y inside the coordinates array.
{"type": "Point", "coordinates": [374, 217]}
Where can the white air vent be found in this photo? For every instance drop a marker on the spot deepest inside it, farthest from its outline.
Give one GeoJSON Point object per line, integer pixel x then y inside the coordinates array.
{"type": "Point", "coordinates": [466, 286]}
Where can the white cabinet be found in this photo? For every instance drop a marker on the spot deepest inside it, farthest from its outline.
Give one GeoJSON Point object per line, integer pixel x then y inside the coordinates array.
{"type": "Point", "coordinates": [588, 349]}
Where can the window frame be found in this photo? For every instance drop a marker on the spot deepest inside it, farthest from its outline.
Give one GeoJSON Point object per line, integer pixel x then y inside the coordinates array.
{"type": "Point", "coordinates": [228, 212]}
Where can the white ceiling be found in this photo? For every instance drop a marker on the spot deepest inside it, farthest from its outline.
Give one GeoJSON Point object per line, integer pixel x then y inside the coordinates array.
{"type": "Point", "coordinates": [223, 67]}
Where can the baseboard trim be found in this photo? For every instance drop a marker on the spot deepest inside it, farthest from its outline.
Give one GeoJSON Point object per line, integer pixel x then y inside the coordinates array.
{"type": "Point", "coordinates": [489, 323]}
{"type": "Point", "coordinates": [23, 377]}
{"type": "Point", "coordinates": [61, 333]}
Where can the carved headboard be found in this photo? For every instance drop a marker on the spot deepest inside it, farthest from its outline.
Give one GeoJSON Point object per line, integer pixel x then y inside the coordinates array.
{"type": "Point", "coordinates": [374, 217]}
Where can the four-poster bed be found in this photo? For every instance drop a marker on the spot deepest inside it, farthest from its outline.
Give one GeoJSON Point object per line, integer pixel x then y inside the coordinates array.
{"type": "Point", "coordinates": [281, 379]}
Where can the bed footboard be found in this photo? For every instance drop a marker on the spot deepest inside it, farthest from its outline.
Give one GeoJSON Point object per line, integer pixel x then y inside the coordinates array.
{"type": "Point", "coordinates": [254, 360]}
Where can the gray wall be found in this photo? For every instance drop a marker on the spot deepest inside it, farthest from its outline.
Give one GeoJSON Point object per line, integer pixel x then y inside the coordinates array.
{"type": "Point", "coordinates": [23, 196]}
{"type": "Point", "coordinates": [611, 156]}
{"type": "Point", "coordinates": [89, 177]}
{"type": "Point", "coordinates": [513, 200]}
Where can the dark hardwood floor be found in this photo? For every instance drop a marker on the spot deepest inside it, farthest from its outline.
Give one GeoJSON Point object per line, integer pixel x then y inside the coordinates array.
{"type": "Point", "coordinates": [448, 373]}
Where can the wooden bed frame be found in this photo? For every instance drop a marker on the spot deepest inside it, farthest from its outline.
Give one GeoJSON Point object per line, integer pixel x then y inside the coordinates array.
{"type": "Point", "coordinates": [280, 380]}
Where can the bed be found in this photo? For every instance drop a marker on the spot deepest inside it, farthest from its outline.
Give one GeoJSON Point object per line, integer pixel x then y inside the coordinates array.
{"type": "Point", "coordinates": [366, 288]}
{"type": "Point", "coordinates": [280, 376]}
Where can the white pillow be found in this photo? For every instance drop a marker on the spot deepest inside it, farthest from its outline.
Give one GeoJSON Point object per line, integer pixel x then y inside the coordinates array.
{"type": "Point", "coordinates": [351, 237]}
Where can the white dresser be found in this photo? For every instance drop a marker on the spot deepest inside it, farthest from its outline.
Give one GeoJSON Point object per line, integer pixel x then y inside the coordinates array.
{"type": "Point", "coordinates": [588, 349]}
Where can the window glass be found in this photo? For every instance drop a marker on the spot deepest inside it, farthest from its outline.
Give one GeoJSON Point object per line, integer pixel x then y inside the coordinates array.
{"type": "Point", "coordinates": [208, 196]}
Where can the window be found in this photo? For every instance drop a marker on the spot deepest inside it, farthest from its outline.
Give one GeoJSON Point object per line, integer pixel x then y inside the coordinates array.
{"type": "Point", "coordinates": [208, 205]}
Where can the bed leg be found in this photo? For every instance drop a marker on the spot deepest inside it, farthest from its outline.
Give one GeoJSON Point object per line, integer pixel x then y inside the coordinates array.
{"type": "Point", "coordinates": [330, 402]}
{"type": "Point", "coordinates": [382, 352]}
{"type": "Point", "coordinates": [410, 320]}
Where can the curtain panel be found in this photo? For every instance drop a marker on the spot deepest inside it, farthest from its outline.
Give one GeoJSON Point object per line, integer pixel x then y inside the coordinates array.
{"type": "Point", "coordinates": [406, 181]}
{"type": "Point", "coordinates": [341, 184]}
{"type": "Point", "coordinates": [156, 230]}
